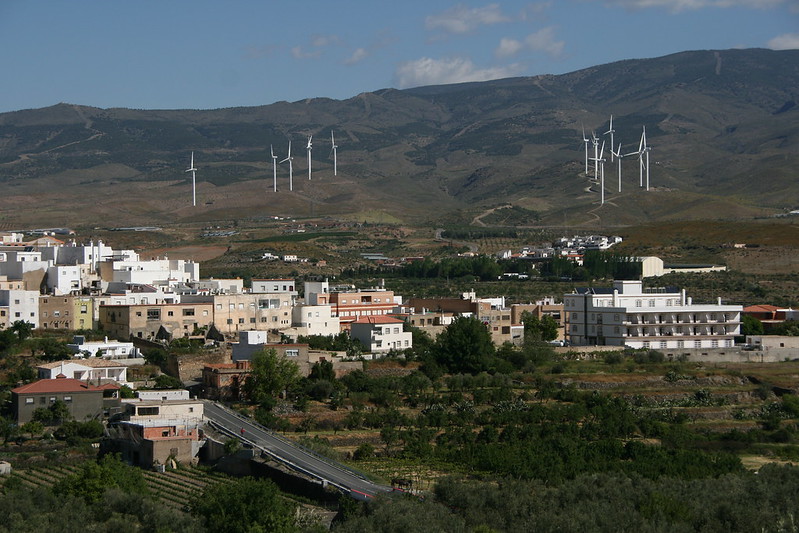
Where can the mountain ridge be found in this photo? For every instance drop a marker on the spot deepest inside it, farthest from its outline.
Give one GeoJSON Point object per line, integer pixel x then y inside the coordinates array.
{"type": "Point", "coordinates": [721, 123]}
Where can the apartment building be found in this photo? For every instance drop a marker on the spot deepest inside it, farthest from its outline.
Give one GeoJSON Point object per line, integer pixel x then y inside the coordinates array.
{"type": "Point", "coordinates": [158, 321]}
{"type": "Point", "coordinates": [380, 334]}
{"type": "Point", "coordinates": [658, 318]}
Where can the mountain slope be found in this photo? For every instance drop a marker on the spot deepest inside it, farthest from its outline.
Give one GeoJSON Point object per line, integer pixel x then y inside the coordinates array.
{"type": "Point", "coordinates": [723, 127]}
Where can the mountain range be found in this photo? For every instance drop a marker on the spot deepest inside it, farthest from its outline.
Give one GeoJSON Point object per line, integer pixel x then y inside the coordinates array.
{"type": "Point", "coordinates": [723, 127]}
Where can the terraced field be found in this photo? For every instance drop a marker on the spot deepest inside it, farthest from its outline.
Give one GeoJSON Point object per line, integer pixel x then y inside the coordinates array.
{"type": "Point", "coordinates": [174, 488]}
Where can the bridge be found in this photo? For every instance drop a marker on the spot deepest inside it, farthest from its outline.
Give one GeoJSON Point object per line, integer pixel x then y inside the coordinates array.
{"type": "Point", "coordinates": [291, 455]}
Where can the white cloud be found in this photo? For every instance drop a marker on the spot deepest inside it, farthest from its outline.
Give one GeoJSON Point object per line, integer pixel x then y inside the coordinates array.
{"type": "Point", "coordinates": [357, 56]}
{"type": "Point", "coordinates": [786, 41]}
{"type": "Point", "coordinates": [462, 19]}
{"type": "Point", "coordinates": [541, 41]}
{"type": "Point", "coordinates": [508, 47]}
{"type": "Point", "coordinates": [298, 52]}
{"type": "Point", "coordinates": [428, 71]}
{"type": "Point", "coordinates": [544, 41]}
{"type": "Point", "coordinates": [676, 6]}
{"type": "Point", "coordinates": [534, 9]}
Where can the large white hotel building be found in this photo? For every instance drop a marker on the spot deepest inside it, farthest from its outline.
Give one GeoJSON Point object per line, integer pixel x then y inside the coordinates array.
{"type": "Point", "coordinates": [657, 318]}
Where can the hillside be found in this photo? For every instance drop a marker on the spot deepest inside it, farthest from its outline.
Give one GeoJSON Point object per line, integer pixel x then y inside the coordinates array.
{"type": "Point", "coordinates": [723, 127]}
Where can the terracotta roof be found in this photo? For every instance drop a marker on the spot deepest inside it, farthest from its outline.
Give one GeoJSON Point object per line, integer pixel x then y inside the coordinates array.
{"type": "Point", "coordinates": [377, 319]}
{"type": "Point", "coordinates": [761, 308]}
{"type": "Point", "coordinates": [44, 386]}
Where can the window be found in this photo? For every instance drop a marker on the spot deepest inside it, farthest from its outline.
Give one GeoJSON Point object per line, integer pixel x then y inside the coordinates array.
{"type": "Point", "coordinates": [651, 303]}
{"type": "Point", "coordinates": [170, 313]}
{"type": "Point", "coordinates": [292, 352]}
{"type": "Point", "coordinates": [638, 303]}
{"type": "Point", "coordinates": [28, 401]}
{"type": "Point", "coordinates": [229, 320]}
{"type": "Point", "coordinates": [252, 320]}
{"type": "Point", "coordinates": [67, 399]}
{"type": "Point", "coordinates": [205, 312]}
{"type": "Point", "coordinates": [138, 313]}
{"type": "Point", "coordinates": [153, 314]}
{"type": "Point", "coordinates": [662, 344]}
{"type": "Point", "coordinates": [84, 308]}
{"type": "Point", "coordinates": [241, 321]}
{"type": "Point", "coordinates": [188, 312]}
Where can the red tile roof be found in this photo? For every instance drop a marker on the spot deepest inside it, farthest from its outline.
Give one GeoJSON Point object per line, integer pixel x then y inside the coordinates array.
{"type": "Point", "coordinates": [377, 319]}
{"type": "Point", "coordinates": [45, 386]}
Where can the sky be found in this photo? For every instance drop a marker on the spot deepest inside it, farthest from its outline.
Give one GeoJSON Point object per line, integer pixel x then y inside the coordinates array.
{"type": "Point", "coordinates": [204, 54]}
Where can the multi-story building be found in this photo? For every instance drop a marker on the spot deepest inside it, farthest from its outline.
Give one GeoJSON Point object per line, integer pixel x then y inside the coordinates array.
{"type": "Point", "coordinates": [274, 286]}
{"type": "Point", "coordinates": [659, 318]}
{"type": "Point", "coordinates": [314, 320]}
{"type": "Point", "coordinates": [83, 401]}
{"type": "Point", "coordinates": [380, 334]}
{"type": "Point", "coordinates": [96, 371]}
{"type": "Point", "coordinates": [157, 321]}
{"type": "Point", "coordinates": [19, 305]}
{"type": "Point", "coordinates": [66, 312]}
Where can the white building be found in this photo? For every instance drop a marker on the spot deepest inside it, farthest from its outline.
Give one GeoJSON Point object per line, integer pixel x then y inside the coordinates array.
{"type": "Point", "coordinates": [274, 286]}
{"type": "Point", "coordinates": [96, 371]}
{"type": "Point", "coordinates": [156, 272]}
{"type": "Point", "coordinates": [19, 305]}
{"type": "Point", "coordinates": [105, 349]}
{"type": "Point", "coordinates": [379, 334]}
{"type": "Point", "coordinates": [314, 320]}
{"type": "Point", "coordinates": [163, 395]}
{"type": "Point", "coordinates": [216, 286]}
{"type": "Point", "coordinates": [659, 318]}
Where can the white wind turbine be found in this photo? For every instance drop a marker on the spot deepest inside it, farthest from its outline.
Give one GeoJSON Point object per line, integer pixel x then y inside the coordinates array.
{"type": "Point", "coordinates": [274, 168]}
{"type": "Point", "coordinates": [643, 150]}
{"type": "Point", "coordinates": [611, 131]}
{"type": "Point", "coordinates": [193, 181]}
{"type": "Point", "coordinates": [595, 159]}
{"type": "Point", "coordinates": [601, 175]}
{"type": "Point", "coordinates": [291, 168]}
{"type": "Point", "coordinates": [308, 148]}
{"type": "Point", "coordinates": [646, 151]}
{"type": "Point", "coordinates": [586, 140]}
{"type": "Point", "coordinates": [333, 152]}
{"type": "Point", "coordinates": [619, 156]}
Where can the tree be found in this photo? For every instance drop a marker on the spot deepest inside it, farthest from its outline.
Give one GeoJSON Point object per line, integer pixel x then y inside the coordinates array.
{"type": "Point", "coordinates": [22, 328]}
{"type": "Point", "coordinates": [245, 505]}
{"type": "Point", "coordinates": [464, 346]}
{"type": "Point", "coordinates": [270, 376]}
{"type": "Point", "coordinates": [536, 329]}
{"type": "Point", "coordinates": [165, 381]}
{"type": "Point", "coordinates": [322, 370]}
{"type": "Point", "coordinates": [751, 325]}
{"type": "Point", "coordinates": [94, 478]}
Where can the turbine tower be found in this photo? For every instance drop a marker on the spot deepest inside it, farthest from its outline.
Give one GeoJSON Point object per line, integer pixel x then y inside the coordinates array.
{"type": "Point", "coordinates": [333, 152]}
{"type": "Point", "coordinates": [611, 131]}
{"type": "Point", "coordinates": [646, 151]}
{"type": "Point", "coordinates": [193, 181]}
{"type": "Point", "coordinates": [618, 155]}
{"type": "Point", "coordinates": [291, 168]}
{"type": "Point", "coordinates": [586, 140]}
{"type": "Point", "coordinates": [308, 148]}
{"type": "Point", "coordinates": [601, 163]}
{"type": "Point", "coordinates": [595, 159]}
{"type": "Point", "coordinates": [274, 168]}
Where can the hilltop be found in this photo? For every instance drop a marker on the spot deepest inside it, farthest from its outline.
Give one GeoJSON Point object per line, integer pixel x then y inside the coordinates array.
{"type": "Point", "coordinates": [723, 126]}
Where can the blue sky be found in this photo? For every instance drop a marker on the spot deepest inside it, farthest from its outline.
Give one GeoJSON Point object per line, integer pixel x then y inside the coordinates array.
{"type": "Point", "coordinates": [202, 54]}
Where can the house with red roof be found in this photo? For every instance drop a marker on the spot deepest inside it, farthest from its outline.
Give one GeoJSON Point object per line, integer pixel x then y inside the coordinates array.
{"type": "Point", "coordinates": [84, 401]}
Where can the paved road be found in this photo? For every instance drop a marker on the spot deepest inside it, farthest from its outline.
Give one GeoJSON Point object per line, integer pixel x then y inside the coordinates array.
{"type": "Point", "coordinates": [292, 455]}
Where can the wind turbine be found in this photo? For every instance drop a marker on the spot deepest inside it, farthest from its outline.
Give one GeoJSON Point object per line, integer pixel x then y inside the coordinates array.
{"type": "Point", "coordinates": [291, 168]}
{"type": "Point", "coordinates": [602, 175]}
{"type": "Point", "coordinates": [646, 151]}
{"type": "Point", "coordinates": [333, 152]}
{"type": "Point", "coordinates": [640, 153]}
{"type": "Point", "coordinates": [595, 159]}
{"type": "Point", "coordinates": [308, 148]}
{"type": "Point", "coordinates": [586, 140]}
{"type": "Point", "coordinates": [619, 156]}
{"type": "Point", "coordinates": [611, 131]}
{"type": "Point", "coordinates": [193, 181]}
{"type": "Point", "coordinates": [274, 168]}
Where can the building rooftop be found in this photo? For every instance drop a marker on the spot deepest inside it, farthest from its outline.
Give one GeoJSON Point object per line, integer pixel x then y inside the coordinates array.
{"type": "Point", "coordinates": [45, 386]}
{"type": "Point", "coordinates": [377, 319]}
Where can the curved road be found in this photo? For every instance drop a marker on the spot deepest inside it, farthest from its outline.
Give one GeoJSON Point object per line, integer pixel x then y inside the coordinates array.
{"type": "Point", "coordinates": [290, 454]}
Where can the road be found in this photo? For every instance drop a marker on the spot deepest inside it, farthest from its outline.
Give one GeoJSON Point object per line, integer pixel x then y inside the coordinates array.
{"type": "Point", "coordinates": [292, 455]}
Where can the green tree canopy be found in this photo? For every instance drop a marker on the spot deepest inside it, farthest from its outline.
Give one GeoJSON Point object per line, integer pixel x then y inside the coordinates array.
{"type": "Point", "coordinates": [94, 478]}
{"type": "Point", "coordinates": [539, 329]}
{"type": "Point", "coordinates": [270, 375]}
{"type": "Point", "coordinates": [464, 346]}
{"type": "Point", "coordinates": [751, 325]}
{"type": "Point", "coordinates": [245, 505]}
